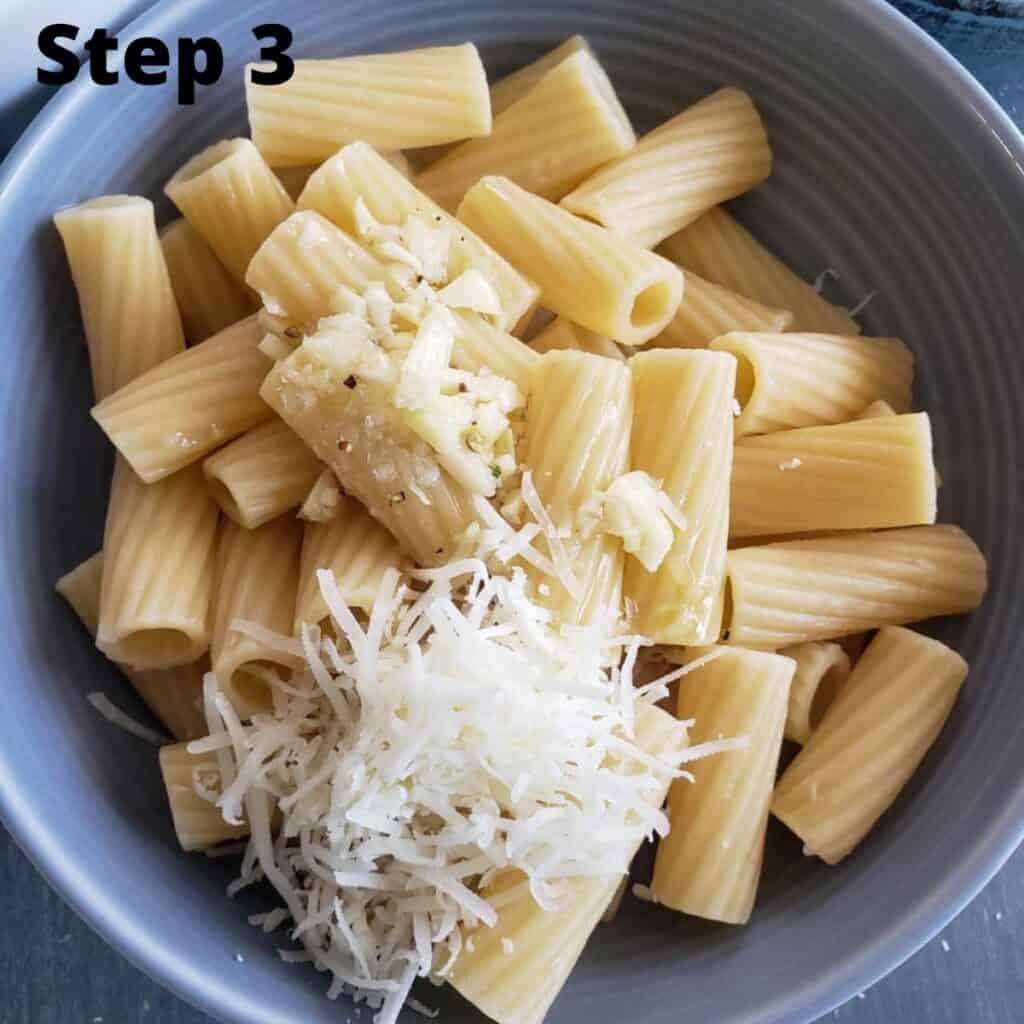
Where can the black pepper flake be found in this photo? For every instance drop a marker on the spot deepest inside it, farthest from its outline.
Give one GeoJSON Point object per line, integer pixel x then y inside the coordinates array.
{"type": "Point", "coordinates": [350, 381]}
{"type": "Point", "coordinates": [419, 279]}
{"type": "Point", "coordinates": [292, 332]}
{"type": "Point", "coordinates": [462, 387]}
{"type": "Point", "coordinates": [343, 445]}
{"type": "Point", "coordinates": [437, 217]}
{"type": "Point", "coordinates": [396, 499]}
{"type": "Point", "coordinates": [439, 551]}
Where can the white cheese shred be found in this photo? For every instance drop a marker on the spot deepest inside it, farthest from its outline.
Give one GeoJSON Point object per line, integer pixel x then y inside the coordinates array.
{"type": "Point", "coordinates": [115, 716]}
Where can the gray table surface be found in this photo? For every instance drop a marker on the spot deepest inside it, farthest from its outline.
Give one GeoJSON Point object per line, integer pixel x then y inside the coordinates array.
{"type": "Point", "coordinates": [54, 970]}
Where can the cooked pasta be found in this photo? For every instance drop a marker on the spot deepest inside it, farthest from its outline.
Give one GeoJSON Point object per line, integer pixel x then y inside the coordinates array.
{"type": "Point", "coordinates": [257, 582]}
{"type": "Point", "coordinates": [709, 310]}
{"type": "Point", "coordinates": [548, 141]}
{"type": "Point", "coordinates": [198, 822]}
{"type": "Point", "coordinates": [713, 151]}
{"type": "Point", "coordinates": [209, 299]}
{"type": "Point", "coordinates": [157, 570]}
{"type": "Point", "coordinates": [821, 669]}
{"type": "Point", "coordinates": [710, 862]}
{"type": "Point", "coordinates": [391, 100]}
{"type": "Point", "coordinates": [871, 740]}
{"type": "Point", "coordinates": [360, 175]}
{"type": "Point", "coordinates": [562, 334]}
{"type": "Point", "coordinates": [721, 250]}
{"type": "Point", "coordinates": [124, 291]}
{"type": "Point", "coordinates": [261, 475]}
{"type": "Point", "coordinates": [585, 272]}
{"type": "Point", "coordinates": [682, 436]}
{"type": "Point", "coordinates": [803, 380]}
{"type": "Point", "coordinates": [356, 549]}
{"type": "Point", "coordinates": [182, 409]}
{"type": "Point", "coordinates": [867, 474]}
{"type": "Point", "coordinates": [800, 590]}
{"type": "Point", "coordinates": [232, 198]}
{"type": "Point", "coordinates": [294, 179]}
{"type": "Point", "coordinates": [875, 409]}
{"type": "Point", "coordinates": [576, 443]}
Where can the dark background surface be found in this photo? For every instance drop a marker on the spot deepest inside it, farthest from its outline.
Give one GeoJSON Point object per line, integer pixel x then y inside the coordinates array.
{"type": "Point", "coordinates": [54, 970]}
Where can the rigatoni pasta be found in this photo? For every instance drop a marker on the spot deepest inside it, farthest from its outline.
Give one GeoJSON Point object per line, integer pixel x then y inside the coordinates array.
{"type": "Point", "coordinates": [549, 140]}
{"type": "Point", "coordinates": [124, 291]}
{"type": "Point", "coordinates": [867, 474]}
{"type": "Point", "coordinates": [803, 380]}
{"type": "Point", "coordinates": [585, 272]}
{"type": "Point", "coordinates": [720, 249]}
{"type": "Point", "coordinates": [563, 334]}
{"type": "Point", "coordinates": [182, 409]}
{"type": "Point", "coordinates": [821, 669]}
{"type": "Point", "coordinates": [262, 474]}
{"type": "Point", "coordinates": [870, 741]}
{"type": "Point", "coordinates": [713, 151]}
{"type": "Point", "coordinates": [382, 98]}
{"type": "Point", "coordinates": [209, 299]}
{"type": "Point", "coordinates": [800, 590]}
{"type": "Point", "coordinates": [232, 198]}
{"type": "Point", "coordinates": [710, 862]}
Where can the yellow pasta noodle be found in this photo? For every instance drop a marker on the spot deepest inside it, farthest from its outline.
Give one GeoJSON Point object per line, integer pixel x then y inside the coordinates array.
{"type": "Point", "coordinates": [576, 443]}
{"type": "Point", "coordinates": [682, 436]}
{"type": "Point", "coordinates": [391, 100]}
{"type": "Point", "coordinates": [157, 570]}
{"type": "Point", "coordinates": [563, 334]}
{"type": "Point", "coordinates": [867, 474]}
{"type": "Point", "coordinates": [515, 86]}
{"type": "Point", "coordinates": [257, 581]}
{"type": "Point", "coordinates": [715, 150]}
{"type": "Point", "coordinates": [172, 694]}
{"type": "Point", "coordinates": [356, 548]}
{"type": "Point", "coordinates": [198, 823]}
{"type": "Point", "coordinates": [182, 409]}
{"type": "Point", "coordinates": [375, 458]}
{"type": "Point", "coordinates": [710, 862]}
{"type": "Point", "coordinates": [719, 248]}
{"type": "Point", "coordinates": [585, 272]}
{"type": "Point", "coordinates": [870, 742]}
{"type": "Point", "coordinates": [548, 141]}
{"type": "Point", "coordinates": [801, 590]}
{"type": "Point", "coordinates": [709, 310]}
{"type": "Point", "coordinates": [802, 380]}
{"type": "Point", "coordinates": [821, 669]}
{"type": "Point", "coordinates": [209, 298]}
{"type": "Point", "coordinates": [124, 291]}
{"type": "Point", "coordinates": [294, 179]}
{"type": "Point", "coordinates": [300, 268]}
{"type": "Point", "coordinates": [358, 172]}
{"type": "Point", "coordinates": [232, 198]}
{"type": "Point", "coordinates": [262, 474]}
{"type": "Point", "coordinates": [875, 409]}
{"type": "Point", "coordinates": [513, 971]}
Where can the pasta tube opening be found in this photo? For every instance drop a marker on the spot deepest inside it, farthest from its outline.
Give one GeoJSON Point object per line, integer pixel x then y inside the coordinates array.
{"type": "Point", "coordinates": [161, 645]}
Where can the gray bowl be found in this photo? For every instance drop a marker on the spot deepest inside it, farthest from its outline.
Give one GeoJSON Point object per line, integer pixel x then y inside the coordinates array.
{"type": "Point", "coordinates": [893, 167]}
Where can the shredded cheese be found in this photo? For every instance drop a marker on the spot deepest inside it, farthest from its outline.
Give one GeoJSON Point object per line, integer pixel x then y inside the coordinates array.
{"type": "Point", "coordinates": [115, 716]}
{"type": "Point", "coordinates": [642, 514]}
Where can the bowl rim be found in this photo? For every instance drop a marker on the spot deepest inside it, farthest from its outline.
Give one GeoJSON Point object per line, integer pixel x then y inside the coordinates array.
{"type": "Point", "coordinates": [156, 954]}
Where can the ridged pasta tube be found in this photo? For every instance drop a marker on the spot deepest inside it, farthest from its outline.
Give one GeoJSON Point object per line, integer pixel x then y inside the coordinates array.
{"type": "Point", "coordinates": [262, 474]}
{"type": "Point", "coordinates": [158, 570]}
{"type": "Point", "coordinates": [124, 291]}
{"type": "Point", "coordinates": [294, 179]}
{"type": "Point", "coordinates": [801, 590]}
{"type": "Point", "coordinates": [172, 694]}
{"type": "Point", "coordinates": [182, 409]}
{"type": "Point", "coordinates": [356, 549]}
{"type": "Point", "coordinates": [576, 443]}
{"type": "Point", "coordinates": [513, 971]}
{"type": "Point", "coordinates": [875, 409]}
{"type": "Point", "coordinates": [585, 272]}
{"type": "Point", "coordinates": [562, 334]}
{"type": "Point", "coordinates": [548, 141]}
{"type": "Point", "coordinates": [682, 436]}
{"type": "Point", "coordinates": [709, 864]}
{"type": "Point", "coordinates": [821, 669]}
{"type": "Point", "coordinates": [863, 475]}
{"type": "Point", "coordinates": [257, 581]}
{"type": "Point", "coordinates": [870, 742]}
{"type": "Point", "coordinates": [719, 248]}
{"type": "Point", "coordinates": [391, 100]}
{"type": "Point", "coordinates": [709, 310]}
{"type": "Point", "coordinates": [198, 823]}
{"type": "Point", "coordinates": [209, 299]}
{"type": "Point", "coordinates": [713, 151]}
{"type": "Point", "coordinates": [232, 198]}
{"type": "Point", "coordinates": [359, 172]}
{"type": "Point", "coordinates": [803, 380]}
